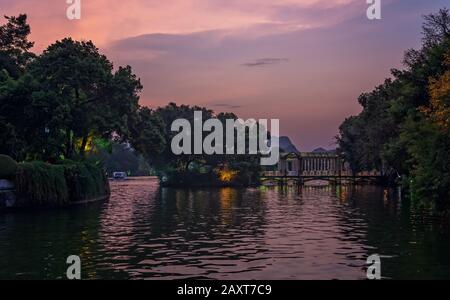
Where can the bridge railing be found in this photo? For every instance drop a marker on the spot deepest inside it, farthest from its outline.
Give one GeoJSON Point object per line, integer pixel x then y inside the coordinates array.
{"type": "Point", "coordinates": [320, 173]}
{"type": "Point", "coordinates": [311, 173]}
{"type": "Point", "coordinates": [272, 174]}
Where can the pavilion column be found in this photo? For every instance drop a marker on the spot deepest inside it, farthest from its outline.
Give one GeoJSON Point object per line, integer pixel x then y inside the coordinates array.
{"type": "Point", "coordinates": [335, 165]}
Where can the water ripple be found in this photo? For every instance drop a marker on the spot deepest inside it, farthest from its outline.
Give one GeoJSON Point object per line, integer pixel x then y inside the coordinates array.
{"type": "Point", "coordinates": [269, 233]}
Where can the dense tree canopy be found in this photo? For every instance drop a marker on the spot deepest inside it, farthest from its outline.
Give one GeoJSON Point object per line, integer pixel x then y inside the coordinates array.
{"type": "Point", "coordinates": [58, 104]}
{"type": "Point", "coordinates": [403, 128]}
{"type": "Point", "coordinates": [14, 45]}
{"type": "Point", "coordinates": [81, 96]}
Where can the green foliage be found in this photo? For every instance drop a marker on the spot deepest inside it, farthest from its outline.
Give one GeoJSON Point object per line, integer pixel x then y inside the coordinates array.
{"type": "Point", "coordinates": [41, 184]}
{"type": "Point", "coordinates": [8, 167]}
{"type": "Point", "coordinates": [209, 176]}
{"type": "Point", "coordinates": [55, 104]}
{"type": "Point", "coordinates": [122, 158]}
{"type": "Point", "coordinates": [395, 132]}
{"type": "Point", "coordinates": [189, 178]}
{"type": "Point", "coordinates": [80, 95]}
{"type": "Point", "coordinates": [147, 131]}
{"type": "Point", "coordinates": [86, 181]}
{"type": "Point", "coordinates": [176, 167]}
{"type": "Point", "coordinates": [14, 44]}
{"type": "Point", "coordinates": [428, 149]}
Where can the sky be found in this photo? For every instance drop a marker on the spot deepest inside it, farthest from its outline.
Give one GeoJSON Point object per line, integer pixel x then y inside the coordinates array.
{"type": "Point", "coordinates": [304, 62]}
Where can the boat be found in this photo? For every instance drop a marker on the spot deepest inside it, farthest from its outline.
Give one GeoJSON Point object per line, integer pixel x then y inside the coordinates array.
{"type": "Point", "coordinates": [119, 176]}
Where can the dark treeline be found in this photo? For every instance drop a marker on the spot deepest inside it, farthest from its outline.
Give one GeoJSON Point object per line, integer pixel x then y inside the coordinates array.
{"type": "Point", "coordinates": [122, 158]}
{"type": "Point", "coordinates": [404, 126]}
{"type": "Point", "coordinates": [71, 103]}
{"type": "Point", "coordinates": [63, 102]}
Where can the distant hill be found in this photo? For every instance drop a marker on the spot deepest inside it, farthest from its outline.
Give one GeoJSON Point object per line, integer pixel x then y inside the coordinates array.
{"type": "Point", "coordinates": [287, 146]}
{"type": "Point", "coordinates": [322, 150]}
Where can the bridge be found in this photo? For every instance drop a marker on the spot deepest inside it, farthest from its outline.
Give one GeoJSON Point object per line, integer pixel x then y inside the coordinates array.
{"type": "Point", "coordinates": [299, 168]}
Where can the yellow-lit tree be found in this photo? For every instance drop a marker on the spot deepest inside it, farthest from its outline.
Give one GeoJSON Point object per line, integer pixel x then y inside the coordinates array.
{"type": "Point", "coordinates": [439, 109]}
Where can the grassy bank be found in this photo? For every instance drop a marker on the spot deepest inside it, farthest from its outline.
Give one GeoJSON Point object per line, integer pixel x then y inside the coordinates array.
{"type": "Point", "coordinates": [42, 184]}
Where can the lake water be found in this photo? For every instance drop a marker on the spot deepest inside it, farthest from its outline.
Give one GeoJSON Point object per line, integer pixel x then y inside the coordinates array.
{"type": "Point", "coordinates": [146, 232]}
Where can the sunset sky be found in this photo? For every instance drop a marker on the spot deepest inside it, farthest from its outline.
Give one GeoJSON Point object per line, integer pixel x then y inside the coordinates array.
{"type": "Point", "coordinates": [301, 61]}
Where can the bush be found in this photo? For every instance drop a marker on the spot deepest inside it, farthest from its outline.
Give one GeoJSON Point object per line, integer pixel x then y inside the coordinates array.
{"type": "Point", "coordinates": [86, 181]}
{"type": "Point", "coordinates": [42, 184]}
{"type": "Point", "coordinates": [8, 167]}
{"type": "Point", "coordinates": [39, 184]}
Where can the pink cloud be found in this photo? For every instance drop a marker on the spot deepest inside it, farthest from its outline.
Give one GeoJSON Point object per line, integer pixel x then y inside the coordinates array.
{"type": "Point", "coordinates": [104, 21]}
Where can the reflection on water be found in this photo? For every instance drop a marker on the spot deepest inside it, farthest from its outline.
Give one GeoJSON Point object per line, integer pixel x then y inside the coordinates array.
{"type": "Point", "coordinates": [266, 233]}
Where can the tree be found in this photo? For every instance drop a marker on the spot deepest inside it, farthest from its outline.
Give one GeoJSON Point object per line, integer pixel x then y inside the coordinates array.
{"type": "Point", "coordinates": [14, 45]}
{"type": "Point", "coordinates": [122, 158]}
{"type": "Point", "coordinates": [404, 123]}
{"type": "Point", "coordinates": [362, 138]}
{"type": "Point", "coordinates": [439, 109]}
{"type": "Point", "coordinates": [147, 134]}
{"type": "Point", "coordinates": [81, 96]}
{"type": "Point", "coordinates": [68, 100]}
{"type": "Point", "coordinates": [168, 115]}
{"type": "Point", "coordinates": [17, 116]}
{"type": "Point", "coordinates": [436, 28]}
{"type": "Point", "coordinates": [14, 56]}
{"type": "Point", "coordinates": [349, 141]}
{"type": "Point", "coordinates": [189, 168]}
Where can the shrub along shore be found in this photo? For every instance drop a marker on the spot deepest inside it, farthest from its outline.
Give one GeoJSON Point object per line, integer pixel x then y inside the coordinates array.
{"type": "Point", "coordinates": [40, 184]}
